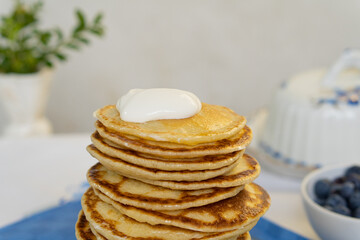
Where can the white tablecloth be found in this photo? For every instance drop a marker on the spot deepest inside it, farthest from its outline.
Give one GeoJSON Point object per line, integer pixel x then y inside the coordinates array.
{"type": "Point", "coordinates": [36, 173]}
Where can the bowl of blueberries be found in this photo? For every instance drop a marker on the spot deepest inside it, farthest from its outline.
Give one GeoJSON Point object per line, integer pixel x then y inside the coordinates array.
{"type": "Point", "coordinates": [331, 196]}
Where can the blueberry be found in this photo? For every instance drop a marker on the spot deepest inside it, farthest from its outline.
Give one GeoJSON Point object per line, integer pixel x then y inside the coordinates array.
{"type": "Point", "coordinates": [341, 209]}
{"type": "Point", "coordinates": [322, 188]}
{"type": "Point", "coordinates": [335, 187]}
{"type": "Point", "coordinates": [335, 200]}
{"type": "Point", "coordinates": [320, 201]}
{"type": "Point", "coordinates": [354, 200]}
{"type": "Point", "coordinates": [340, 180]}
{"type": "Point", "coordinates": [353, 170]}
{"type": "Point", "coordinates": [356, 213]}
{"type": "Point", "coordinates": [347, 189]}
{"type": "Point", "coordinates": [328, 207]}
{"type": "Point", "coordinates": [355, 178]}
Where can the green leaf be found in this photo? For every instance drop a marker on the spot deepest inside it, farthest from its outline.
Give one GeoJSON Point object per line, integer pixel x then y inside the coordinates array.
{"type": "Point", "coordinates": [98, 18]}
{"type": "Point", "coordinates": [72, 46]}
{"type": "Point", "coordinates": [48, 63]}
{"type": "Point", "coordinates": [81, 20]}
{"type": "Point", "coordinates": [81, 24]}
{"type": "Point", "coordinates": [60, 56]}
{"type": "Point", "coordinates": [97, 31]}
{"type": "Point", "coordinates": [45, 37]}
{"type": "Point", "coordinates": [83, 40]}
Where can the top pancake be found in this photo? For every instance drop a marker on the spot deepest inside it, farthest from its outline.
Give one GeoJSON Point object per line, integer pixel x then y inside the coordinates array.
{"type": "Point", "coordinates": [212, 123]}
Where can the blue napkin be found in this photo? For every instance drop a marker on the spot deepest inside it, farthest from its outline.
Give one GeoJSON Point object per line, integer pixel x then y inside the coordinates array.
{"type": "Point", "coordinates": [58, 224]}
{"type": "Point", "coordinates": [54, 224]}
{"type": "Point", "coordinates": [267, 230]}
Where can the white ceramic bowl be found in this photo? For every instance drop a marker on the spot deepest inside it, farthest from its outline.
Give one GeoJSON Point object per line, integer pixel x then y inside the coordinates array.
{"type": "Point", "coordinates": [328, 225]}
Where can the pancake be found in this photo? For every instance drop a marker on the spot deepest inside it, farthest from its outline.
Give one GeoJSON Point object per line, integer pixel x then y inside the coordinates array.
{"type": "Point", "coordinates": [245, 236]}
{"type": "Point", "coordinates": [111, 224]}
{"type": "Point", "coordinates": [82, 228]}
{"type": "Point", "coordinates": [137, 171]}
{"type": "Point", "coordinates": [82, 231]}
{"type": "Point", "coordinates": [149, 161]}
{"type": "Point", "coordinates": [96, 234]}
{"type": "Point", "coordinates": [236, 142]}
{"type": "Point", "coordinates": [142, 195]}
{"type": "Point", "coordinates": [246, 171]}
{"type": "Point", "coordinates": [226, 215]}
{"type": "Point", "coordinates": [211, 124]}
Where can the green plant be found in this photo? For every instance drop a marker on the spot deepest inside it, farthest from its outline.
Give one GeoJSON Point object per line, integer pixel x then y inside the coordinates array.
{"type": "Point", "coordinates": [24, 48]}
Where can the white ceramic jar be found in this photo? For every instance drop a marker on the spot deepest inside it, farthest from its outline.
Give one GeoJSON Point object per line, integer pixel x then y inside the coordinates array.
{"type": "Point", "coordinates": [314, 118]}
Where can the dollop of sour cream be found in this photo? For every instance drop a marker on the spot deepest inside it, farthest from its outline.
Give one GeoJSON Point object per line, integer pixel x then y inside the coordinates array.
{"type": "Point", "coordinates": [142, 105]}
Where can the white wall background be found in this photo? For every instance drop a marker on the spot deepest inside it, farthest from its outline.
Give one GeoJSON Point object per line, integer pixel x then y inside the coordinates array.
{"type": "Point", "coordinates": [228, 52]}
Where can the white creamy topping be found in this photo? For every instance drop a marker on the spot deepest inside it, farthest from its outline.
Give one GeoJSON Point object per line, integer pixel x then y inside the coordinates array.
{"type": "Point", "coordinates": [142, 105]}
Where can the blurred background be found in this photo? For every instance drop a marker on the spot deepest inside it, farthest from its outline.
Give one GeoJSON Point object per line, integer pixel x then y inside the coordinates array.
{"type": "Point", "coordinates": [233, 53]}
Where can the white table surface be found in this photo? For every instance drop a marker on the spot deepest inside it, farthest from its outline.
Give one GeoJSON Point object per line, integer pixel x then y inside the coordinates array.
{"type": "Point", "coordinates": [37, 172]}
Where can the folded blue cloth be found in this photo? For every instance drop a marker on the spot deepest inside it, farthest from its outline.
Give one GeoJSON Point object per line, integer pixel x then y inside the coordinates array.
{"type": "Point", "coordinates": [59, 224]}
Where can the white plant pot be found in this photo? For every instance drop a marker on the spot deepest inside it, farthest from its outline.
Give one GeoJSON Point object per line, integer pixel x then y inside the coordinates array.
{"type": "Point", "coordinates": [24, 98]}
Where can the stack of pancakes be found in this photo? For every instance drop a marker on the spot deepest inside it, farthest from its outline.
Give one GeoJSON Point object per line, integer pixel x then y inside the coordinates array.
{"type": "Point", "coordinates": [172, 179]}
